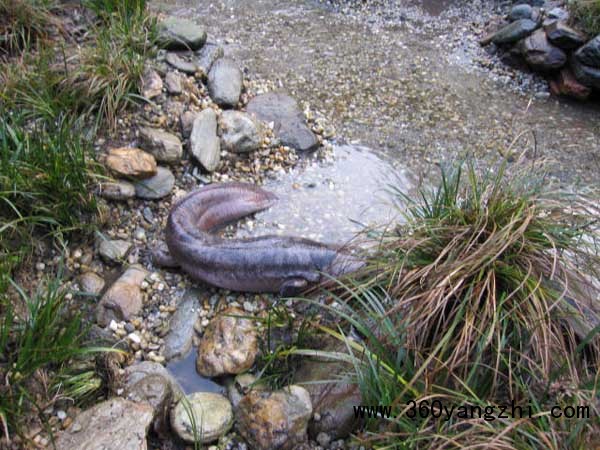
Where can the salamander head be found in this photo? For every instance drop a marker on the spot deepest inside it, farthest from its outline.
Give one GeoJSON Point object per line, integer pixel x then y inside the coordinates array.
{"type": "Point", "coordinates": [343, 264]}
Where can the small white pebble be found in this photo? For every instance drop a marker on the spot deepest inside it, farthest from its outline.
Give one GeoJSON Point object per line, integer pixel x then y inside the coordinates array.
{"type": "Point", "coordinates": [204, 322]}
{"type": "Point", "coordinates": [112, 326]}
{"type": "Point", "coordinates": [40, 266]}
{"type": "Point", "coordinates": [61, 414]}
{"type": "Point", "coordinates": [134, 338]}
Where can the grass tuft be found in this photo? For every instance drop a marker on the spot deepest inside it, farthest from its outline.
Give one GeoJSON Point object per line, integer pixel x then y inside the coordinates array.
{"type": "Point", "coordinates": [586, 14]}
{"type": "Point", "coordinates": [485, 297]}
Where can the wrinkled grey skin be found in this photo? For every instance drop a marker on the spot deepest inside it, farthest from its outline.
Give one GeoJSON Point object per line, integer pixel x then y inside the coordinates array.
{"type": "Point", "coordinates": [280, 264]}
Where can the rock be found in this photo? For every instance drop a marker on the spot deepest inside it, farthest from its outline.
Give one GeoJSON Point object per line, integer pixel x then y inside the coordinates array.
{"type": "Point", "coordinates": [587, 75]}
{"type": "Point", "coordinates": [114, 250]}
{"type": "Point", "coordinates": [151, 84]}
{"type": "Point", "coordinates": [540, 54]}
{"type": "Point", "coordinates": [274, 420]}
{"type": "Point", "coordinates": [229, 345]}
{"type": "Point", "coordinates": [568, 85]}
{"type": "Point", "coordinates": [204, 142]}
{"type": "Point", "coordinates": [118, 190]}
{"type": "Point", "coordinates": [333, 401]}
{"type": "Point", "coordinates": [240, 386]}
{"type": "Point", "coordinates": [589, 54]}
{"type": "Point", "coordinates": [522, 11]}
{"type": "Point", "coordinates": [212, 415]}
{"type": "Point", "coordinates": [240, 132]}
{"type": "Point", "coordinates": [114, 423]}
{"type": "Point", "coordinates": [173, 83]}
{"type": "Point", "coordinates": [225, 82]}
{"type": "Point", "coordinates": [131, 163]}
{"type": "Point", "coordinates": [123, 299]}
{"type": "Point", "coordinates": [558, 14]}
{"type": "Point", "coordinates": [180, 64]}
{"type": "Point", "coordinates": [159, 186]}
{"type": "Point", "coordinates": [151, 383]}
{"type": "Point", "coordinates": [181, 34]}
{"type": "Point", "coordinates": [207, 57]}
{"type": "Point", "coordinates": [134, 373]}
{"type": "Point", "coordinates": [186, 121]}
{"type": "Point", "coordinates": [91, 283]}
{"type": "Point", "coordinates": [564, 36]}
{"type": "Point", "coordinates": [514, 31]}
{"type": "Point", "coordinates": [290, 126]}
{"type": "Point", "coordinates": [181, 328]}
{"type": "Point", "coordinates": [565, 83]}
{"type": "Point", "coordinates": [165, 147]}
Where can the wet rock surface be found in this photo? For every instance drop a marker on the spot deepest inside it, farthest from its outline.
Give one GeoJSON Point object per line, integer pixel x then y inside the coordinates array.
{"type": "Point", "coordinates": [181, 327]}
{"type": "Point", "coordinates": [229, 344]}
{"type": "Point", "coordinates": [115, 423]}
{"type": "Point", "coordinates": [156, 187]}
{"type": "Point", "coordinates": [211, 413]}
{"type": "Point", "coordinates": [275, 420]}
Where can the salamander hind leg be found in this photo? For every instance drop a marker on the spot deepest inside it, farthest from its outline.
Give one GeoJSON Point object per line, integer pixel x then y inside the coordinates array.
{"type": "Point", "coordinates": [292, 286]}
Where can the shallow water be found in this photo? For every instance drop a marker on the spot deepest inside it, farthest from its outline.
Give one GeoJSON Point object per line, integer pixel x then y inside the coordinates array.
{"type": "Point", "coordinates": [184, 371]}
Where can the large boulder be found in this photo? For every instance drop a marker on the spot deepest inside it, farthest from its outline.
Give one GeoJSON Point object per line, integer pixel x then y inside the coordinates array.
{"type": "Point", "coordinates": [240, 132]}
{"type": "Point", "coordinates": [564, 36]}
{"type": "Point", "coordinates": [116, 424]}
{"type": "Point", "coordinates": [178, 341]}
{"type": "Point", "coordinates": [181, 34]}
{"type": "Point", "coordinates": [124, 298]}
{"type": "Point", "coordinates": [274, 420]}
{"type": "Point", "coordinates": [540, 54]}
{"type": "Point", "coordinates": [225, 82]}
{"type": "Point", "coordinates": [165, 146]}
{"type": "Point", "coordinates": [589, 54]}
{"type": "Point", "coordinates": [514, 31]}
{"type": "Point", "coordinates": [203, 416]}
{"type": "Point", "coordinates": [205, 146]}
{"type": "Point", "coordinates": [229, 344]}
{"type": "Point", "coordinates": [290, 126]}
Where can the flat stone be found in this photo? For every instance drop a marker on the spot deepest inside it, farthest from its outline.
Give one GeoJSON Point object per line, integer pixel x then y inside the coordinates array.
{"type": "Point", "coordinates": [114, 250]}
{"type": "Point", "coordinates": [124, 299]}
{"type": "Point", "coordinates": [587, 75]}
{"type": "Point", "coordinates": [205, 146]}
{"type": "Point", "coordinates": [151, 84]}
{"type": "Point", "coordinates": [565, 83]}
{"type": "Point", "coordinates": [137, 372]}
{"type": "Point", "coordinates": [540, 54]}
{"type": "Point", "coordinates": [207, 57]}
{"type": "Point", "coordinates": [274, 420]}
{"type": "Point", "coordinates": [113, 424]}
{"type": "Point", "coordinates": [240, 132]}
{"type": "Point", "coordinates": [514, 31]}
{"type": "Point", "coordinates": [181, 64]}
{"type": "Point", "coordinates": [91, 283]}
{"type": "Point", "coordinates": [225, 82]}
{"type": "Point", "coordinates": [181, 34]}
{"type": "Point", "coordinates": [212, 414]}
{"type": "Point", "coordinates": [558, 14]}
{"type": "Point", "coordinates": [173, 83]}
{"type": "Point", "coordinates": [156, 187]}
{"type": "Point", "coordinates": [181, 327]}
{"type": "Point", "coordinates": [229, 345]}
{"type": "Point", "coordinates": [589, 54]}
{"type": "Point", "coordinates": [564, 36]}
{"type": "Point", "coordinates": [165, 146]}
{"type": "Point", "coordinates": [290, 126]}
{"type": "Point", "coordinates": [117, 190]}
{"type": "Point", "coordinates": [131, 163]}
{"type": "Point", "coordinates": [522, 11]}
